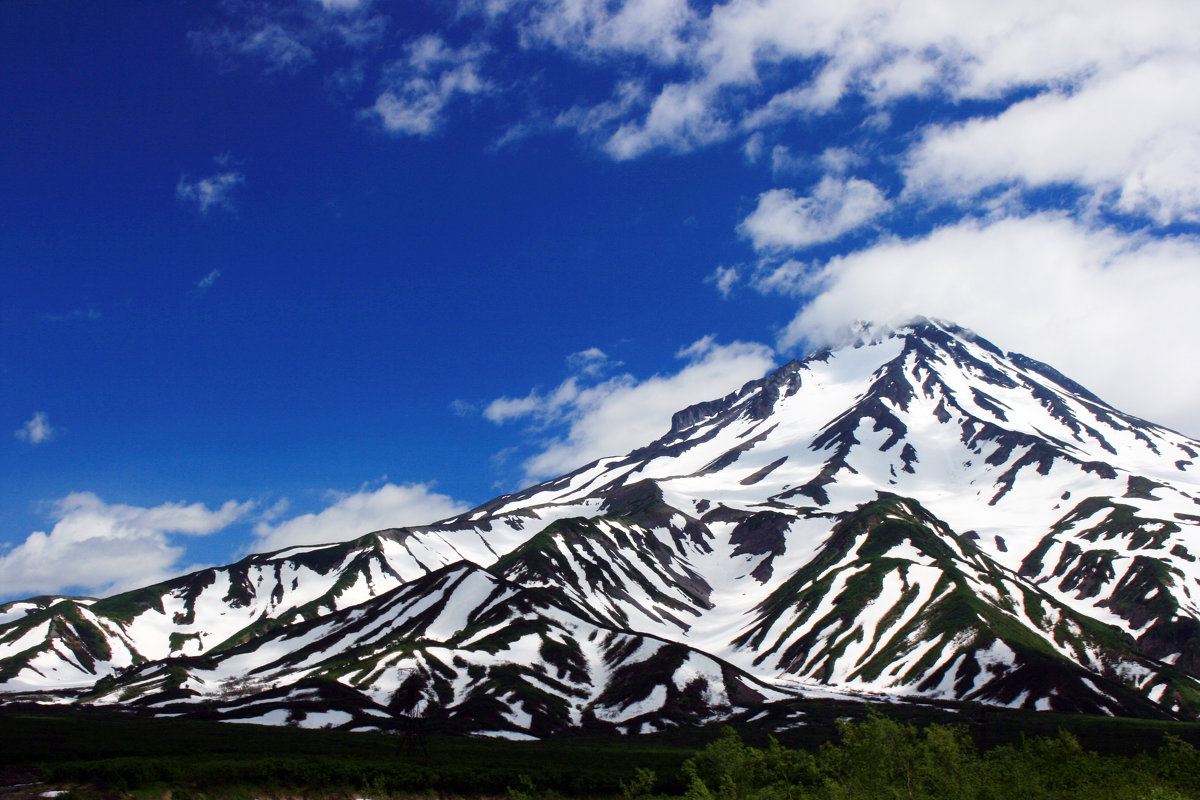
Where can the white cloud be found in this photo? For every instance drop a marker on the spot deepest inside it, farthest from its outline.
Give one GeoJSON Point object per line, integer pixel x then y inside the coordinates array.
{"type": "Point", "coordinates": [352, 515]}
{"type": "Point", "coordinates": [724, 278]}
{"type": "Point", "coordinates": [682, 117]}
{"type": "Point", "coordinates": [591, 362]}
{"type": "Point", "coordinates": [967, 49]}
{"type": "Point", "coordinates": [840, 160]}
{"type": "Point", "coordinates": [421, 85]}
{"type": "Point", "coordinates": [657, 29]}
{"type": "Point", "coordinates": [1128, 135]}
{"type": "Point", "coordinates": [754, 146]}
{"type": "Point", "coordinates": [215, 191]}
{"type": "Point", "coordinates": [1086, 91]}
{"type": "Point", "coordinates": [627, 96]}
{"type": "Point", "coordinates": [100, 548]}
{"type": "Point", "coordinates": [1112, 310]}
{"type": "Point", "coordinates": [791, 277]}
{"type": "Point", "coordinates": [782, 221]}
{"type": "Point", "coordinates": [621, 413]}
{"type": "Point", "coordinates": [544, 409]}
{"type": "Point", "coordinates": [37, 429]}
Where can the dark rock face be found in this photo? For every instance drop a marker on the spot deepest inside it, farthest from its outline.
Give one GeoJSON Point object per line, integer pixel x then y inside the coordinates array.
{"type": "Point", "coordinates": [762, 534]}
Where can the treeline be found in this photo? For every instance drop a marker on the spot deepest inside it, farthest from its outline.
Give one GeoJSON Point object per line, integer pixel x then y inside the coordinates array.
{"type": "Point", "coordinates": [874, 759]}
{"type": "Point", "coordinates": [880, 759]}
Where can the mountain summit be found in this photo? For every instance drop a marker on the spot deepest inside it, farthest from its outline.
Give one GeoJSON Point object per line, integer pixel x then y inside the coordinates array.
{"type": "Point", "coordinates": [915, 514]}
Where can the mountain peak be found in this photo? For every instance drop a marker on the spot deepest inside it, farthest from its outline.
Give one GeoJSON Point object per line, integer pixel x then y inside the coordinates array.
{"type": "Point", "coordinates": [863, 333]}
{"type": "Point", "coordinates": [915, 512]}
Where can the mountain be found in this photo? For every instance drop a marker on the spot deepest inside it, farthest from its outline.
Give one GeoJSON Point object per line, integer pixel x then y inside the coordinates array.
{"type": "Point", "coordinates": [916, 514]}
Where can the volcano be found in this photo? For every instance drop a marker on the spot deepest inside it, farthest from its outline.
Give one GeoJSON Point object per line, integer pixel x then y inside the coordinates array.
{"type": "Point", "coordinates": [917, 514]}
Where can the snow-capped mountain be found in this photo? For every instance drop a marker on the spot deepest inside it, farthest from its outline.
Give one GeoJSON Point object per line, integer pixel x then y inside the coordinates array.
{"type": "Point", "coordinates": [917, 513]}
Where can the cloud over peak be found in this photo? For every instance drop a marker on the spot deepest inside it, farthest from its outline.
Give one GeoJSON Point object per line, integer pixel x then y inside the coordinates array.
{"type": "Point", "coordinates": [1108, 307]}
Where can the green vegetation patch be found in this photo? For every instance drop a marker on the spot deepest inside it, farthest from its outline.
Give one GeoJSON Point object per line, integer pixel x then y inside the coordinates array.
{"type": "Point", "coordinates": [913, 752]}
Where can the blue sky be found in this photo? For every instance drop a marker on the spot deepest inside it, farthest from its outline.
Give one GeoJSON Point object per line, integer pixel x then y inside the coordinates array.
{"type": "Point", "coordinates": [277, 272]}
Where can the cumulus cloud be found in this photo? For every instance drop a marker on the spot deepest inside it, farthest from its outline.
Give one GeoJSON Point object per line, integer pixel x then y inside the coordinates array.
{"type": "Point", "coordinates": [1080, 91]}
{"type": "Point", "coordinates": [783, 221]}
{"type": "Point", "coordinates": [421, 85]}
{"type": "Point", "coordinates": [99, 548]}
{"type": "Point", "coordinates": [1083, 91]}
{"type": "Point", "coordinates": [578, 422]}
{"type": "Point", "coordinates": [37, 429]}
{"type": "Point", "coordinates": [1017, 100]}
{"type": "Point", "coordinates": [352, 515]}
{"type": "Point", "coordinates": [214, 191]}
{"type": "Point", "coordinates": [1111, 309]}
{"type": "Point", "coordinates": [1126, 135]}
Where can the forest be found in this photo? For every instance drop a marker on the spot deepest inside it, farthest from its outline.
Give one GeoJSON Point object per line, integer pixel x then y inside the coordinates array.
{"type": "Point", "coordinates": [873, 753]}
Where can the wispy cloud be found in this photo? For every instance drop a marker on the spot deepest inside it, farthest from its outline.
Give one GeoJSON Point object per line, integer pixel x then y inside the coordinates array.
{"type": "Point", "coordinates": [98, 548]}
{"type": "Point", "coordinates": [88, 313]}
{"type": "Point", "coordinates": [591, 362]}
{"type": "Point", "coordinates": [285, 38]}
{"type": "Point", "coordinates": [37, 429]}
{"type": "Point", "coordinates": [208, 280]}
{"type": "Point", "coordinates": [277, 47]}
{"type": "Point", "coordinates": [579, 420]}
{"type": "Point", "coordinates": [463, 408]}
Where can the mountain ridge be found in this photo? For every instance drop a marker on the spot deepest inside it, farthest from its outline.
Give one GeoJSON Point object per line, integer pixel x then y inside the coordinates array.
{"type": "Point", "coordinates": [916, 514]}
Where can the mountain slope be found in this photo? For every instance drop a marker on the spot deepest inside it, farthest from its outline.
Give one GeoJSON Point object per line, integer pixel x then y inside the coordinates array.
{"type": "Point", "coordinates": [74, 641]}
{"type": "Point", "coordinates": [917, 513]}
{"type": "Point", "coordinates": [488, 656]}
